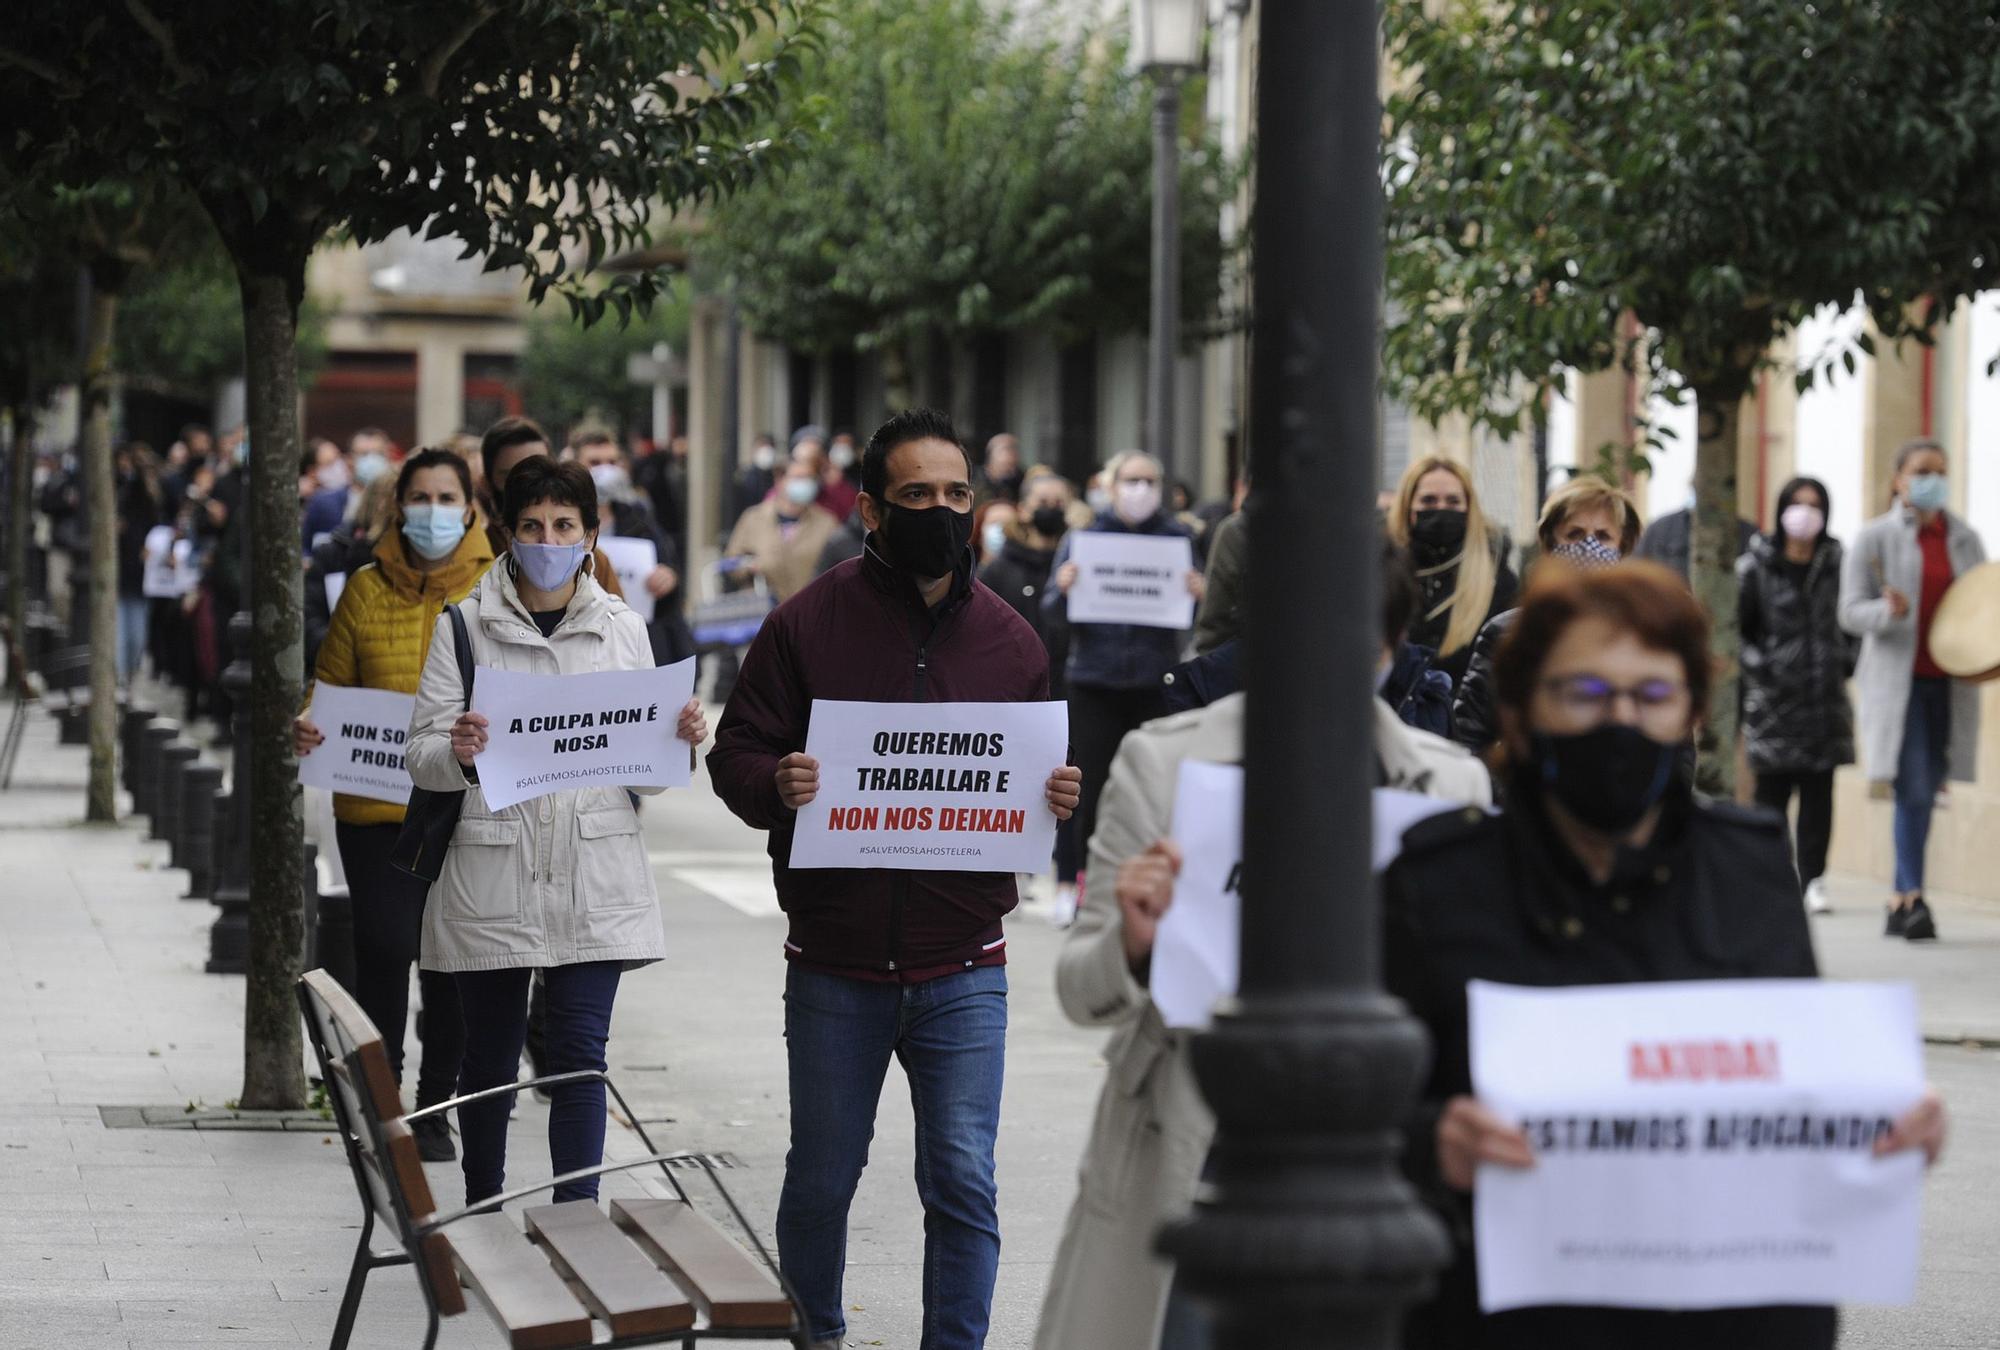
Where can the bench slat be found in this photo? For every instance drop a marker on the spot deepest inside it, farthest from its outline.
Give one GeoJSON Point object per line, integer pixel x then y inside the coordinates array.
{"type": "Point", "coordinates": [512, 1277]}
{"type": "Point", "coordinates": [618, 1281]}
{"type": "Point", "coordinates": [733, 1288]}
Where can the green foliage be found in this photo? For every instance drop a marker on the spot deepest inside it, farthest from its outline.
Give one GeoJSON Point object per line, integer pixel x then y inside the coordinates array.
{"type": "Point", "coordinates": [180, 329]}
{"type": "Point", "coordinates": [967, 173]}
{"type": "Point", "coordinates": [571, 372]}
{"type": "Point", "coordinates": [1720, 169]}
{"type": "Point", "coordinates": [523, 128]}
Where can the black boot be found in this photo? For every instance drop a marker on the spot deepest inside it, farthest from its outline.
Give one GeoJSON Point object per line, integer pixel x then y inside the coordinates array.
{"type": "Point", "coordinates": [1918, 925]}
{"type": "Point", "coordinates": [434, 1139]}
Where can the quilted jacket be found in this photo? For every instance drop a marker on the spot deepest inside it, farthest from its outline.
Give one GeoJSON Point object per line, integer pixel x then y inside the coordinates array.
{"type": "Point", "coordinates": [380, 634]}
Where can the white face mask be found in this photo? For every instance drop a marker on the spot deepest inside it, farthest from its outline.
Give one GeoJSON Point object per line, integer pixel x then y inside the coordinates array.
{"type": "Point", "coordinates": [334, 475]}
{"type": "Point", "coordinates": [841, 456]}
{"type": "Point", "coordinates": [609, 477]}
{"type": "Point", "coordinates": [764, 457]}
{"type": "Point", "coordinates": [993, 537]}
{"type": "Point", "coordinates": [1137, 503]}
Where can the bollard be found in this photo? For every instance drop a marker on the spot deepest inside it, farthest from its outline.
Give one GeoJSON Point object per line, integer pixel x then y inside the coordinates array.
{"type": "Point", "coordinates": [73, 724]}
{"type": "Point", "coordinates": [174, 763]}
{"type": "Point", "coordinates": [229, 936]}
{"type": "Point", "coordinates": [200, 784]}
{"type": "Point", "coordinates": [157, 735]}
{"type": "Point", "coordinates": [163, 803]}
{"type": "Point", "coordinates": [131, 727]}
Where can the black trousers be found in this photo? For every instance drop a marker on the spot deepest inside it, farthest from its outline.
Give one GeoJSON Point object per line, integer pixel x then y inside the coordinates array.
{"type": "Point", "coordinates": [1098, 720]}
{"type": "Point", "coordinates": [1815, 832]}
{"type": "Point", "coordinates": [388, 931]}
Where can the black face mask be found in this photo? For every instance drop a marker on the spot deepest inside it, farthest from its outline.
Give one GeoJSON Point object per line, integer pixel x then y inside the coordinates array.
{"type": "Point", "coordinates": [1608, 778]}
{"type": "Point", "coordinates": [1439, 531]}
{"type": "Point", "coordinates": [1049, 521]}
{"type": "Point", "coordinates": [926, 543]}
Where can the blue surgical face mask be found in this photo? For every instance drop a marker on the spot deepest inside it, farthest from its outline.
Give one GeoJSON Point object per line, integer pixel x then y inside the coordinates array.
{"type": "Point", "coordinates": [433, 530]}
{"type": "Point", "coordinates": [994, 537]}
{"type": "Point", "coordinates": [1928, 492]}
{"type": "Point", "coordinates": [801, 491]}
{"type": "Point", "coordinates": [549, 567]}
{"type": "Point", "coordinates": [369, 467]}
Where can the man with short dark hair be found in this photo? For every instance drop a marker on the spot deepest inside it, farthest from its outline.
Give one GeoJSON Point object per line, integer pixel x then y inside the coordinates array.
{"type": "Point", "coordinates": [902, 963]}
{"type": "Point", "coordinates": [506, 443]}
{"type": "Point", "coordinates": [629, 515]}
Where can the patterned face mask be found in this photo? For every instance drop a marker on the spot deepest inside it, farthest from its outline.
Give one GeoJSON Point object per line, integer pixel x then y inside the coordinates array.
{"type": "Point", "coordinates": [1587, 554]}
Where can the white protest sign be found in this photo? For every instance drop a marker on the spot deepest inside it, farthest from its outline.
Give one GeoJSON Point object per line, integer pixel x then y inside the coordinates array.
{"type": "Point", "coordinates": [336, 582]}
{"type": "Point", "coordinates": [557, 733]}
{"type": "Point", "coordinates": [1195, 959]}
{"type": "Point", "coordinates": [157, 581]}
{"type": "Point", "coordinates": [1138, 579]}
{"type": "Point", "coordinates": [633, 560]}
{"type": "Point", "coordinates": [1698, 1145]}
{"type": "Point", "coordinates": [187, 574]}
{"type": "Point", "coordinates": [957, 787]}
{"type": "Point", "coordinates": [1194, 949]}
{"type": "Point", "coordinates": [362, 755]}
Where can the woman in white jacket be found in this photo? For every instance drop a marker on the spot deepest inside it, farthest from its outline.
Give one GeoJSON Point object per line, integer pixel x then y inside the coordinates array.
{"type": "Point", "coordinates": [558, 883]}
{"type": "Point", "coordinates": [1918, 725]}
{"type": "Point", "coordinates": [1152, 1131]}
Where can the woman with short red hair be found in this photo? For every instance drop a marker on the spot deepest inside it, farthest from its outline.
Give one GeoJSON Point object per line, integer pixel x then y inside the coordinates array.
{"type": "Point", "coordinates": [1604, 868]}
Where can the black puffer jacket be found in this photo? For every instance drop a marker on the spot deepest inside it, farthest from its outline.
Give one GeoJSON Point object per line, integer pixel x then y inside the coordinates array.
{"type": "Point", "coordinates": [1473, 724]}
{"type": "Point", "coordinates": [1019, 575]}
{"type": "Point", "coordinates": [1796, 660]}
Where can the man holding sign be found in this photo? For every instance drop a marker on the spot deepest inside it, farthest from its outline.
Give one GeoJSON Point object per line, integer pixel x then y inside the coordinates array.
{"type": "Point", "coordinates": [905, 957]}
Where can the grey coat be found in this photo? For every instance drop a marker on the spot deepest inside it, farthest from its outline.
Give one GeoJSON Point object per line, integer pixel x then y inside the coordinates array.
{"type": "Point", "coordinates": [1886, 553]}
{"type": "Point", "coordinates": [1152, 1130]}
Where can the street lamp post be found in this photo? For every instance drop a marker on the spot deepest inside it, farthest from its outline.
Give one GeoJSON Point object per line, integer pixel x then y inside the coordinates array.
{"type": "Point", "coordinates": [1166, 42]}
{"type": "Point", "coordinates": [1309, 1235]}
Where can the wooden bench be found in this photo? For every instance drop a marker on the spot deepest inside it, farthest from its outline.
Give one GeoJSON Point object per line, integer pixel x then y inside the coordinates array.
{"type": "Point", "coordinates": [649, 1272]}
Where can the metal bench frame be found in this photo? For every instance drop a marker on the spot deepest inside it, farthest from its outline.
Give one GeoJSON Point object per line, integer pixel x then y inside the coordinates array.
{"type": "Point", "coordinates": [412, 1232]}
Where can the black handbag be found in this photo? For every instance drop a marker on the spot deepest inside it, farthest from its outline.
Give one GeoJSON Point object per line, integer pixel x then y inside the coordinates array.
{"type": "Point", "coordinates": [432, 816]}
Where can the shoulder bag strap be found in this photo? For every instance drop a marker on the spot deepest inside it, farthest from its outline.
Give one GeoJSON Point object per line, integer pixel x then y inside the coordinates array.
{"type": "Point", "coordinates": [461, 641]}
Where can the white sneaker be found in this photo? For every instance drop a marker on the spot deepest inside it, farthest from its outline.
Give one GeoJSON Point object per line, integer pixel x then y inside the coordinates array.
{"type": "Point", "coordinates": [1817, 901]}
{"type": "Point", "coordinates": [1062, 908]}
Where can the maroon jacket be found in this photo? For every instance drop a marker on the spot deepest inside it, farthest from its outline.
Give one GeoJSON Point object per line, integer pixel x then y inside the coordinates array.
{"type": "Point", "coordinates": [861, 631]}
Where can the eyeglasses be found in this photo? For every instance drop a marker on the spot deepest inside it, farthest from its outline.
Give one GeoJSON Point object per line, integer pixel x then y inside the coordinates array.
{"type": "Point", "coordinates": [1589, 698]}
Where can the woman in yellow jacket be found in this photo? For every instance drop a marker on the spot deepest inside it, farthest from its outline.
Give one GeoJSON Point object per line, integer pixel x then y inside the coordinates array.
{"type": "Point", "coordinates": [378, 638]}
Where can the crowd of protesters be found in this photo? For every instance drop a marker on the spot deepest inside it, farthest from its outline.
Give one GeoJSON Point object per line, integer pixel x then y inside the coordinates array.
{"type": "Point", "coordinates": [1571, 700]}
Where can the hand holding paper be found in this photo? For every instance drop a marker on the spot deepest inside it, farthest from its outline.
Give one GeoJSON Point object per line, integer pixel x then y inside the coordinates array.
{"type": "Point", "coordinates": [1065, 791]}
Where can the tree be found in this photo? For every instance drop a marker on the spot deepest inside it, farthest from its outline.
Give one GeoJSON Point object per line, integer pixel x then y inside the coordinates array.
{"type": "Point", "coordinates": [966, 175]}
{"type": "Point", "coordinates": [572, 372]}
{"type": "Point", "coordinates": [1718, 170]}
{"type": "Point", "coordinates": [523, 128]}
{"type": "Point", "coordinates": [36, 347]}
{"type": "Point", "coordinates": [180, 327]}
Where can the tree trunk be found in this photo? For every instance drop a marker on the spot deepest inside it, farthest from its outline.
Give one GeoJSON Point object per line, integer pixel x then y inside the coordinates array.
{"type": "Point", "coordinates": [272, 1052]}
{"type": "Point", "coordinates": [101, 504]}
{"type": "Point", "coordinates": [1712, 549]}
{"type": "Point", "coordinates": [21, 482]}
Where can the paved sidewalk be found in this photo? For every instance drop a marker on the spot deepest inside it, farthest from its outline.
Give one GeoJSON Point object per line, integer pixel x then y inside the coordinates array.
{"type": "Point", "coordinates": [135, 1238]}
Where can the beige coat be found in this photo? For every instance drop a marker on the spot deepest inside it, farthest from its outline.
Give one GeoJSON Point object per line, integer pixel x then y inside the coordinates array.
{"type": "Point", "coordinates": [555, 880]}
{"type": "Point", "coordinates": [787, 564]}
{"type": "Point", "coordinates": [1152, 1129]}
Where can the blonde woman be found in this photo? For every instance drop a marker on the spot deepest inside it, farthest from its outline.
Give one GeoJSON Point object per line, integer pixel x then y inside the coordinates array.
{"type": "Point", "coordinates": [1464, 578]}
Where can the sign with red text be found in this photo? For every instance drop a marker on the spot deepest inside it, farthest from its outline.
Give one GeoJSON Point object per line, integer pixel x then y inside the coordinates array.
{"type": "Point", "coordinates": [558, 733]}
{"type": "Point", "coordinates": [362, 754]}
{"type": "Point", "coordinates": [946, 787]}
{"type": "Point", "coordinates": [1703, 1144]}
{"type": "Point", "coordinates": [1140, 579]}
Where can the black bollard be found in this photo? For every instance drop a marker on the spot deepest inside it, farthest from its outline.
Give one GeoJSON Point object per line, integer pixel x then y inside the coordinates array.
{"type": "Point", "coordinates": [174, 763]}
{"type": "Point", "coordinates": [73, 724]}
{"type": "Point", "coordinates": [229, 937]}
{"type": "Point", "coordinates": [334, 944]}
{"type": "Point", "coordinates": [131, 727]}
{"type": "Point", "coordinates": [200, 784]}
{"type": "Point", "coordinates": [159, 733]}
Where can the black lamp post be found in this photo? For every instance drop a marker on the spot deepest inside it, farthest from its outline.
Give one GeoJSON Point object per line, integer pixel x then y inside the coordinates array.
{"type": "Point", "coordinates": [1309, 1236]}
{"type": "Point", "coordinates": [1166, 42]}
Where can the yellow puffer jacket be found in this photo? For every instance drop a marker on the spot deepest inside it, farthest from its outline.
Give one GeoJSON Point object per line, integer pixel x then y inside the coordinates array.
{"type": "Point", "coordinates": [381, 630]}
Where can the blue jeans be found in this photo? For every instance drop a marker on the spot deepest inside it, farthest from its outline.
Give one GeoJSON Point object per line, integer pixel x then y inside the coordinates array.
{"type": "Point", "coordinates": [496, 1026]}
{"type": "Point", "coordinates": [1920, 771]}
{"type": "Point", "coordinates": [133, 611]}
{"type": "Point", "coordinates": [951, 1036]}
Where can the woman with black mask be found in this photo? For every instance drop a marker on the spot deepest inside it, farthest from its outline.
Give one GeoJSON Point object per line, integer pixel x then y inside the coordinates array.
{"type": "Point", "coordinates": [1604, 868]}
{"type": "Point", "coordinates": [1019, 572]}
{"type": "Point", "coordinates": [1460, 560]}
{"type": "Point", "coordinates": [1797, 724]}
